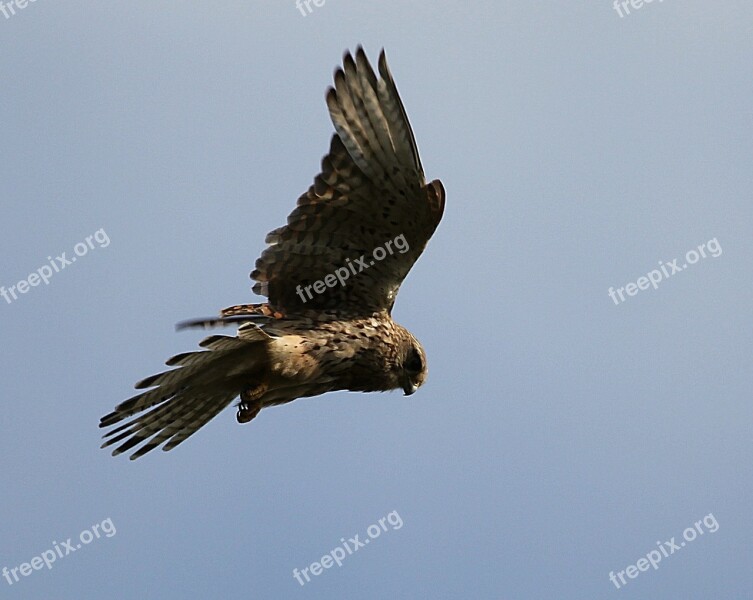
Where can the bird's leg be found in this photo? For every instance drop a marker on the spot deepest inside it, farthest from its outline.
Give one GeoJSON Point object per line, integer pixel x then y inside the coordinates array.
{"type": "Point", "coordinates": [251, 403]}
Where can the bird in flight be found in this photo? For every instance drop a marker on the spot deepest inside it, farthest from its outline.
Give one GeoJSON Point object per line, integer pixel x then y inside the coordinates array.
{"type": "Point", "coordinates": [330, 276]}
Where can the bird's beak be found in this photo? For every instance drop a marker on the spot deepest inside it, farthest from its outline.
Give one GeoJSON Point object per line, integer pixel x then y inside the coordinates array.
{"type": "Point", "coordinates": [410, 388]}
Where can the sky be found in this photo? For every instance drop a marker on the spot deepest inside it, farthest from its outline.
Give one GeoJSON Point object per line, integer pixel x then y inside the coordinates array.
{"type": "Point", "coordinates": [585, 430]}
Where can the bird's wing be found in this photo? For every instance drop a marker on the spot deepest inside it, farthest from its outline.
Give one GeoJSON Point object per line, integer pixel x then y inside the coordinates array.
{"type": "Point", "coordinates": [358, 230]}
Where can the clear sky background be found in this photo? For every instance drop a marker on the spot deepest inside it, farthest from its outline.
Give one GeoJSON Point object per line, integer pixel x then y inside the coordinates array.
{"type": "Point", "coordinates": [559, 435]}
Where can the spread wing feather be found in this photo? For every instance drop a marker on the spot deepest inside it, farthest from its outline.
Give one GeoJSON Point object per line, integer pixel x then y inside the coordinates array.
{"type": "Point", "coordinates": [371, 195]}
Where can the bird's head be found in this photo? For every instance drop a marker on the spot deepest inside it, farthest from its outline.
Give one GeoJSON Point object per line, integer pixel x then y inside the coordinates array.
{"type": "Point", "coordinates": [412, 366]}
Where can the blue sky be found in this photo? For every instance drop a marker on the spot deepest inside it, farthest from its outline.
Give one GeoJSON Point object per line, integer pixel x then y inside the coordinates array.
{"type": "Point", "coordinates": [561, 436]}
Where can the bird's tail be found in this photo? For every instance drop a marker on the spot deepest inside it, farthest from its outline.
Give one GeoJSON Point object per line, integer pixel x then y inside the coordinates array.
{"type": "Point", "coordinates": [186, 398]}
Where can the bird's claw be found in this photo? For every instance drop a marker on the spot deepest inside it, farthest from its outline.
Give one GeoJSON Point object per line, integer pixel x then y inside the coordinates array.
{"type": "Point", "coordinates": [251, 403]}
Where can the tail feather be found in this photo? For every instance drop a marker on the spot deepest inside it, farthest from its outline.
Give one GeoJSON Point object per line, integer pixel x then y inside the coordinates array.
{"type": "Point", "coordinates": [186, 398]}
{"type": "Point", "coordinates": [143, 427]}
{"type": "Point", "coordinates": [187, 359]}
{"type": "Point", "coordinates": [221, 343]}
{"type": "Point", "coordinates": [214, 405]}
{"type": "Point", "coordinates": [178, 423]}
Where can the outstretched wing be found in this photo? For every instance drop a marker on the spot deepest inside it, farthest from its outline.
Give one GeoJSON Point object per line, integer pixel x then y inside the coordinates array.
{"type": "Point", "coordinates": [357, 231]}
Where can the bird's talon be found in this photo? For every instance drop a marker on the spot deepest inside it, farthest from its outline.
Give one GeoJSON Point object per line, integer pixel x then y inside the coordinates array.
{"type": "Point", "coordinates": [250, 403]}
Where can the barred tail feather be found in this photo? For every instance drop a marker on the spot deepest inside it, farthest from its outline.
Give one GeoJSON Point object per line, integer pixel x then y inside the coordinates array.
{"type": "Point", "coordinates": [186, 398]}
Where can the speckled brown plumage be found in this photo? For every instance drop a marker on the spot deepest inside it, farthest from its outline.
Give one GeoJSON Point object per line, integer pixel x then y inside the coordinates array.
{"type": "Point", "coordinates": [370, 193]}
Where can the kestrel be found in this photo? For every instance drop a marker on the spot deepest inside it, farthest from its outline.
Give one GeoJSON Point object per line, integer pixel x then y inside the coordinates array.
{"type": "Point", "coordinates": [330, 275]}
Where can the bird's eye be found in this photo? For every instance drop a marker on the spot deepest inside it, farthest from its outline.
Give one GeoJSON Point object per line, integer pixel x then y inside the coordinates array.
{"type": "Point", "coordinates": [414, 364]}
